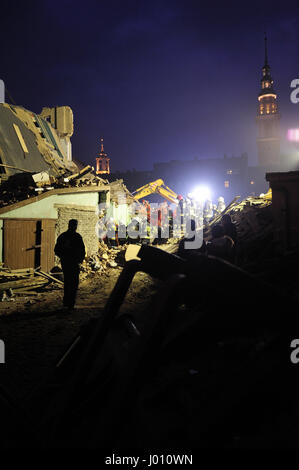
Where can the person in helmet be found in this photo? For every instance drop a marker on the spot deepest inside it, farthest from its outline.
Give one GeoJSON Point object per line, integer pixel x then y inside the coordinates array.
{"type": "Point", "coordinates": [221, 205]}
{"type": "Point", "coordinates": [181, 208]}
{"type": "Point", "coordinates": [208, 211]}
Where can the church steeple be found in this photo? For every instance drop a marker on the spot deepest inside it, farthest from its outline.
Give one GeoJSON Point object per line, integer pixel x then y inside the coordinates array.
{"type": "Point", "coordinates": [102, 161]}
{"type": "Point", "coordinates": [266, 81]}
{"type": "Point", "coordinates": [268, 141]}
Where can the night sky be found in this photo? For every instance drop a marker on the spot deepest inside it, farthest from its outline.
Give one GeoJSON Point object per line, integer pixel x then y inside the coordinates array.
{"type": "Point", "coordinates": [159, 80]}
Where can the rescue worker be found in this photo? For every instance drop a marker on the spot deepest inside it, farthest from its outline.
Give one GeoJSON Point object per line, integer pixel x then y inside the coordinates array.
{"type": "Point", "coordinates": [122, 234]}
{"type": "Point", "coordinates": [133, 230]}
{"type": "Point", "coordinates": [181, 209]}
{"type": "Point", "coordinates": [71, 251]}
{"type": "Point", "coordinates": [208, 211]}
{"type": "Point", "coordinates": [112, 238]}
{"type": "Point", "coordinates": [146, 233]}
{"type": "Point", "coordinates": [221, 205]}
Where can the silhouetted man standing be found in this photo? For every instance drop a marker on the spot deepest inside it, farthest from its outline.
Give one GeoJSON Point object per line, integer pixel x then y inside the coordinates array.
{"type": "Point", "coordinates": [71, 251]}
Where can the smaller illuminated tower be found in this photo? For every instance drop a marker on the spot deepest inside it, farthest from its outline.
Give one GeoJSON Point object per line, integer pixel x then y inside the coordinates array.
{"type": "Point", "coordinates": [102, 161]}
{"type": "Point", "coordinates": [268, 117]}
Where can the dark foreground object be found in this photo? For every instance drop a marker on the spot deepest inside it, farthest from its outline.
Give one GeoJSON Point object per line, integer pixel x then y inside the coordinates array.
{"type": "Point", "coordinates": [207, 365]}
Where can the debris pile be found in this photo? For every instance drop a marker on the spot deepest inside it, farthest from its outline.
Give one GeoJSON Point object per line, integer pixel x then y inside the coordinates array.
{"type": "Point", "coordinates": [254, 223]}
{"type": "Point", "coordinates": [22, 281]}
{"type": "Point", "coordinates": [21, 186]}
{"type": "Point", "coordinates": [103, 261]}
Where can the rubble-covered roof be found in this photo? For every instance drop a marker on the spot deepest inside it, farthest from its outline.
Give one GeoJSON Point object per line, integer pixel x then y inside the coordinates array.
{"type": "Point", "coordinates": [28, 142]}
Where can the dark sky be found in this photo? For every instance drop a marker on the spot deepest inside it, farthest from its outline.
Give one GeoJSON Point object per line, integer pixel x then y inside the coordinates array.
{"type": "Point", "coordinates": [160, 80]}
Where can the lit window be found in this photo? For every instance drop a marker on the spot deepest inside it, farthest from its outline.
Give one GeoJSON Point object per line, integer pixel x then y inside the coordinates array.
{"type": "Point", "coordinates": [229, 172]}
{"type": "Point", "coordinates": [226, 184]}
{"type": "Point", "coordinates": [268, 109]}
{"type": "Point", "coordinates": [251, 182]}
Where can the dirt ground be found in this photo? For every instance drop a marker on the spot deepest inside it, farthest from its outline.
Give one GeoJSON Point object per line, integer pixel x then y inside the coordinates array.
{"type": "Point", "coordinates": [37, 331]}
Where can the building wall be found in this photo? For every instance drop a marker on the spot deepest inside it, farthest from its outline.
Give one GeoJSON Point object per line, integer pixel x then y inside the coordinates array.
{"type": "Point", "coordinates": [80, 206]}
{"type": "Point", "coordinates": [47, 208]}
{"type": "Point", "coordinates": [87, 220]}
{"type": "Point", "coordinates": [285, 203]}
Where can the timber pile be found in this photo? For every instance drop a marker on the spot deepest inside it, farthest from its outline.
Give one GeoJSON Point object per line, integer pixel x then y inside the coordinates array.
{"type": "Point", "coordinates": [22, 281]}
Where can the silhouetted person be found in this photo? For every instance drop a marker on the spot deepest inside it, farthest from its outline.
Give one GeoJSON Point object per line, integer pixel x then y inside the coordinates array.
{"type": "Point", "coordinates": [221, 245]}
{"type": "Point", "coordinates": [229, 227]}
{"type": "Point", "coordinates": [71, 251]}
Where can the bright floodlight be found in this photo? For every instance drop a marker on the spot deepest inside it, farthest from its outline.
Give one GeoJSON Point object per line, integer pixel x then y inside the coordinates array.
{"type": "Point", "coordinates": [201, 193]}
{"type": "Point", "coordinates": [293, 135]}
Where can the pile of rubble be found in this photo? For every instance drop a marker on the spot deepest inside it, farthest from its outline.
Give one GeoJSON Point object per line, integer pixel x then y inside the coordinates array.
{"type": "Point", "coordinates": [26, 281]}
{"type": "Point", "coordinates": [24, 185]}
{"type": "Point", "coordinates": [106, 259]}
{"type": "Point", "coordinates": [254, 222]}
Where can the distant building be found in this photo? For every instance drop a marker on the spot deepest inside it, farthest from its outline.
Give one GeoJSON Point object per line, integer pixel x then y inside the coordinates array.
{"type": "Point", "coordinates": [227, 177]}
{"type": "Point", "coordinates": [268, 119]}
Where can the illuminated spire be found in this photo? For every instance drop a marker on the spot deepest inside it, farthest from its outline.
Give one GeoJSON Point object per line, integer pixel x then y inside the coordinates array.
{"type": "Point", "coordinates": [266, 81]}
{"type": "Point", "coordinates": [102, 145]}
{"type": "Point", "coordinates": [266, 51]}
{"type": "Point", "coordinates": [102, 161]}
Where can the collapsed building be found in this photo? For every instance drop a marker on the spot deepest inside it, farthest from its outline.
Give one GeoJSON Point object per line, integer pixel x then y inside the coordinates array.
{"type": "Point", "coordinates": [42, 188]}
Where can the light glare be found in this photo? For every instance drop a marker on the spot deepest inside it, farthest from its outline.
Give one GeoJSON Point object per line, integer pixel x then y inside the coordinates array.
{"type": "Point", "coordinates": [201, 193]}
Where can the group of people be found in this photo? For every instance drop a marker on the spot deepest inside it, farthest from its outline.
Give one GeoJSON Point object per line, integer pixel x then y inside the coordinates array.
{"type": "Point", "coordinates": [221, 243]}
{"type": "Point", "coordinates": [71, 251]}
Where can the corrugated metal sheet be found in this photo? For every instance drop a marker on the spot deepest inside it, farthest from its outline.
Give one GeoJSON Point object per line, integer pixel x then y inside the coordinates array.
{"type": "Point", "coordinates": [11, 150]}
{"type": "Point", "coordinates": [48, 133]}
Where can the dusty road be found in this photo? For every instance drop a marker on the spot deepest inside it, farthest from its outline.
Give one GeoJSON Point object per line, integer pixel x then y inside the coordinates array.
{"type": "Point", "coordinates": [36, 330]}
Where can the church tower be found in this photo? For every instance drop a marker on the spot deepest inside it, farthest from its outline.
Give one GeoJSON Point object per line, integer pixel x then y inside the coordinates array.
{"type": "Point", "coordinates": [102, 161]}
{"type": "Point", "coordinates": [268, 117]}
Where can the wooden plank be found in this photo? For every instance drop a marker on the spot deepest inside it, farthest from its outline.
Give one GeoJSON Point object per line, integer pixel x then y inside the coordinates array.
{"type": "Point", "coordinates": [20, 137]}
{"type": "Point", "coordinates": [48, 244]}
{"type": "Point", "coordinates": [49, 277]}
{"type": "Point", "coordinates": [21, 283]}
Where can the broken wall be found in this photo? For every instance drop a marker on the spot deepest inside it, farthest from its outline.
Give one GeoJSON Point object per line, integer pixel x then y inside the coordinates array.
{"type": "Point", "coordinates": [87, 219]}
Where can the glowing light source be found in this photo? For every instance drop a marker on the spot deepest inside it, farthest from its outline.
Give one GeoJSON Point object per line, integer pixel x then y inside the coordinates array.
{"type": "Point", "coordinates": [201, 193]}
{"type": "Point", "coordinates": [267, 96]}
{"type": "Point", "coordinates": [293, 135]}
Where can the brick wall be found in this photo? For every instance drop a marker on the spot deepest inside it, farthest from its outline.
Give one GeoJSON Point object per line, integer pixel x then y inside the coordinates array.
{"type": "Point", "coordinates": [87, 220]}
